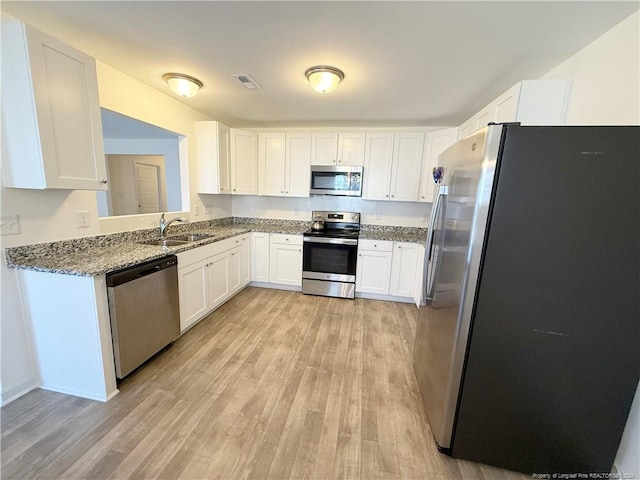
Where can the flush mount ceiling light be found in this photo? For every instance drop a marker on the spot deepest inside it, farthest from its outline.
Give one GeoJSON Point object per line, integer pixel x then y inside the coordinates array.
{"type": "Point", "coordinates": [323, 78]}
{"type": "Point", "coordinates": [181, 84]}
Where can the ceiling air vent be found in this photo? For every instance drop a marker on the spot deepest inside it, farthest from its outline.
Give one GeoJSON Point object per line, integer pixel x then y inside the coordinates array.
{"type": "Point", "coordinates": [246, 81]}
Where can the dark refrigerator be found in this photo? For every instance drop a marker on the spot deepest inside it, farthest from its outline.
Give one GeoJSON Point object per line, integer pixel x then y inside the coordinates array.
{"type": "Point", "coordinates": [527, 351]}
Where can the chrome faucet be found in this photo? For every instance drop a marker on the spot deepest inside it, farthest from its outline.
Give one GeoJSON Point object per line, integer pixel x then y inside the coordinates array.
{"type": "Point", "coordinates": [164, 224]}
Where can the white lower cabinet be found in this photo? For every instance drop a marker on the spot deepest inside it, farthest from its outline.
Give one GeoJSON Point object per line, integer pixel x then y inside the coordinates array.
{"type": "Point", "coordinates": [286, 259]}
{"type": "Point", "coordinates": [387, 268]}
{"type": "Point", "coordinates": [419, 277]}
{"type": "Point", "coordinates": [209, 275]}
{"type": "Point", "coordinates": [403, 269]}
{"type": "Point", "coordinates": [260, 252]}
{"type": "Point", "coordinates": [245, 260]}
{"type": "Point", "coordinates": [235, 266]}
{"type": "Point", "coordinates": [193, 290]}
{"type": "Point", "coordinates": [373, 273]}
{"type": "Point", "coordinates": [219, 279]}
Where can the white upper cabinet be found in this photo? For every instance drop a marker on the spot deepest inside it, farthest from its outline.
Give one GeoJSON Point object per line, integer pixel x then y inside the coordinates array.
{"type": "Point", "coordinates": [284, 164]}
{"type": "Point", "coordinates": [298, 164]}
{"type": "Point", "coordinates": [530, 102]}
{"type": "Point", "coordinates": [51, 126]}
{"type": "Point", "coordinates": [378, 165]}
{"type": "Point", "coordinates": [212, 155]}
{"type": "Point", "coordinates": [407, 163]}
{"type": "Point", "coordinates": [337, 149]}
{"type": "Point", "coordinates": [324, 148]}
{"type": "Point", "coordinates": [351, 149]}
{"type": "Point", "coordinates": [392, 166]}
{"type": "Point", "coordinates": [436, 143]}
{"type": "Point", "coordinates": [244, 162]}
{"type": "Point", "coordinates": [271, 163]}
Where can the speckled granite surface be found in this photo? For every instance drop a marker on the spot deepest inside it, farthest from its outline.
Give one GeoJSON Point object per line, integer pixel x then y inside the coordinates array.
{"type": "Point", "coordinates": [92, 256]}
{"type": "Point", "coordinates": [398, 234]}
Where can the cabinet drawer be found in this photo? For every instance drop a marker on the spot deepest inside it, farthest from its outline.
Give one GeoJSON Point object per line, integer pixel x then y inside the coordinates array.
{"type": "Point", "coordinates": [379, 245]}
{"type": "Point", "coordinates": [286, 239]}
{"type": "Point", "coordinates": [237, 241]}
{"type": "Point", "coordinates": [200, 253]}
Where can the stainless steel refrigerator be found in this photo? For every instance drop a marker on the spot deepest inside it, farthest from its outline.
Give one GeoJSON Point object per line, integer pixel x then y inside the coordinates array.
{"type": "Point", "coordinates": [527, 350]}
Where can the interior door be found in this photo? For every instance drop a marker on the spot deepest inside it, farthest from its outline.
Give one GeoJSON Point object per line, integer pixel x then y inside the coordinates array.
{"type": "Point", "coordinates": [147, 187]}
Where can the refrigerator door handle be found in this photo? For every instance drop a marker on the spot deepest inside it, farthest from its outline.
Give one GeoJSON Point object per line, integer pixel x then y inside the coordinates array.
{"type": "Point", "coordinates": [443, 191]}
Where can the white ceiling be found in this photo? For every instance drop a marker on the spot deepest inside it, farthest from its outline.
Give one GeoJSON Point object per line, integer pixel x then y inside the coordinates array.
{"type": "Point", "coordinates": [406, 63]}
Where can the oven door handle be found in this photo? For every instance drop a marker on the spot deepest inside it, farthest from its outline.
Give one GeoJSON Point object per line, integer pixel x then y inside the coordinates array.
{"type": "Point", "coordinates": [334, 241]}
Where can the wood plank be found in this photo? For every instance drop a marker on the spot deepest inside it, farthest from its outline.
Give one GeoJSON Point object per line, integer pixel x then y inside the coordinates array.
{"type": "Point", "coordinates": [273, 384]}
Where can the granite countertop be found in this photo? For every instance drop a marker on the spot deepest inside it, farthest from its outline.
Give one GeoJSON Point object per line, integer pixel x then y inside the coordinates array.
{"type": "Point", "coordinates": [94, 260]}
{"type": "Point", "coordinates": [395, 236]}
{"type": "Point", "coordinates": [93, 256]}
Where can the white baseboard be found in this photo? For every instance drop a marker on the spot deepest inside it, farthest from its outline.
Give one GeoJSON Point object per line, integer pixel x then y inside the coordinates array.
{"type": "Point", "coordinates": [276, 286]}
{"type": "Point", "coordinates": [386, 298]}
{"type": "Point", "coordinates": [17, 391]}
{"type": "Point", "coordinates": [78, 393]}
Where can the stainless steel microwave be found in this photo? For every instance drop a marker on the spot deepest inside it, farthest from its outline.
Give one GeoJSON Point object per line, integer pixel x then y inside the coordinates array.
{"type": "Point", "coordinates": [333, 180]}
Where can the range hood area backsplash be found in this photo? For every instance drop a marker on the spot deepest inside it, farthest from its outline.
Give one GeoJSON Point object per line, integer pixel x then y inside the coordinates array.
{"type": "Point", "coordinates": [403, 214]}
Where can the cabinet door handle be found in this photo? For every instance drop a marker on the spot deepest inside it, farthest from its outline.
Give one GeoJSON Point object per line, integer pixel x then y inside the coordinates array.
{"type": "Point", "coordinates": [299, 250]}
{"type": "Point", "coordinates": [392, 196]}
{"type": "Point", "coordinates": [234, 189]}
{"type": "Point", "coordinates": [375, 245]}
{"type": "Point", "coordinates": [281, 191]}
{"type": "Point", "coordinates": [103, 181]}
{"type": "Point", "coordinates": [287, 191]}
{"type": "Point", "coordinates": [387, 195]}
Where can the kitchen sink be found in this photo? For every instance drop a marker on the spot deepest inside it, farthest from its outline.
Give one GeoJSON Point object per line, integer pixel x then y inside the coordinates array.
{"type": "Point", "coordinates": [170, 242]}
{"type": "Point", "coordinates": [194, 237]}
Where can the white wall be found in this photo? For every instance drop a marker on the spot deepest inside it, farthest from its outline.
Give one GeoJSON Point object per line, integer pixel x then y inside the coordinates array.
{"type": "Point", "coordinates": [406, 214]}
{"type": "Point", "coordinates": [605, 90]}
{"type": "Point", "coordinates": [605, 78]}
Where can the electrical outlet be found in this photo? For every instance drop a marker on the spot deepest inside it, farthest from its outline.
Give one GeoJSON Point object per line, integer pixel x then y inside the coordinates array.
{"type": "Point", "coordinates": [378, 216]}
{"type": "Point", "coordinates": [9, 225]}
{"type": "Point", "coordinates": [196, 210]}
{"type": "Point", "coordinates": [82, 218]}
{"type": "Point", "coordinates": [208, 209]}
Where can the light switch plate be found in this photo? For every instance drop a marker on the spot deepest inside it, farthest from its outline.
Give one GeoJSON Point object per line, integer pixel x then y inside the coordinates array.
{"type": "Point", "coordinates": [9, 225]}
{"type": "Point", "coordinates": [196, 210]}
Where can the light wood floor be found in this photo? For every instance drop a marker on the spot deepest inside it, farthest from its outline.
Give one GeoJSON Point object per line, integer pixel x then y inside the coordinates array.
{"type": "Point", "coordinates": [273, 384]}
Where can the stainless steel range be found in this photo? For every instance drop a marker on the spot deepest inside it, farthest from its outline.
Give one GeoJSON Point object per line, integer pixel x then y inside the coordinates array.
{"type": "Point", "coordinates": [330, 250]}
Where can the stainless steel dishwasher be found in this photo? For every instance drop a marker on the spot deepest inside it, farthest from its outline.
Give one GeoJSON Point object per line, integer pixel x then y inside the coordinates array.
{"type": "Point", "coordinates": [144, 310]}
